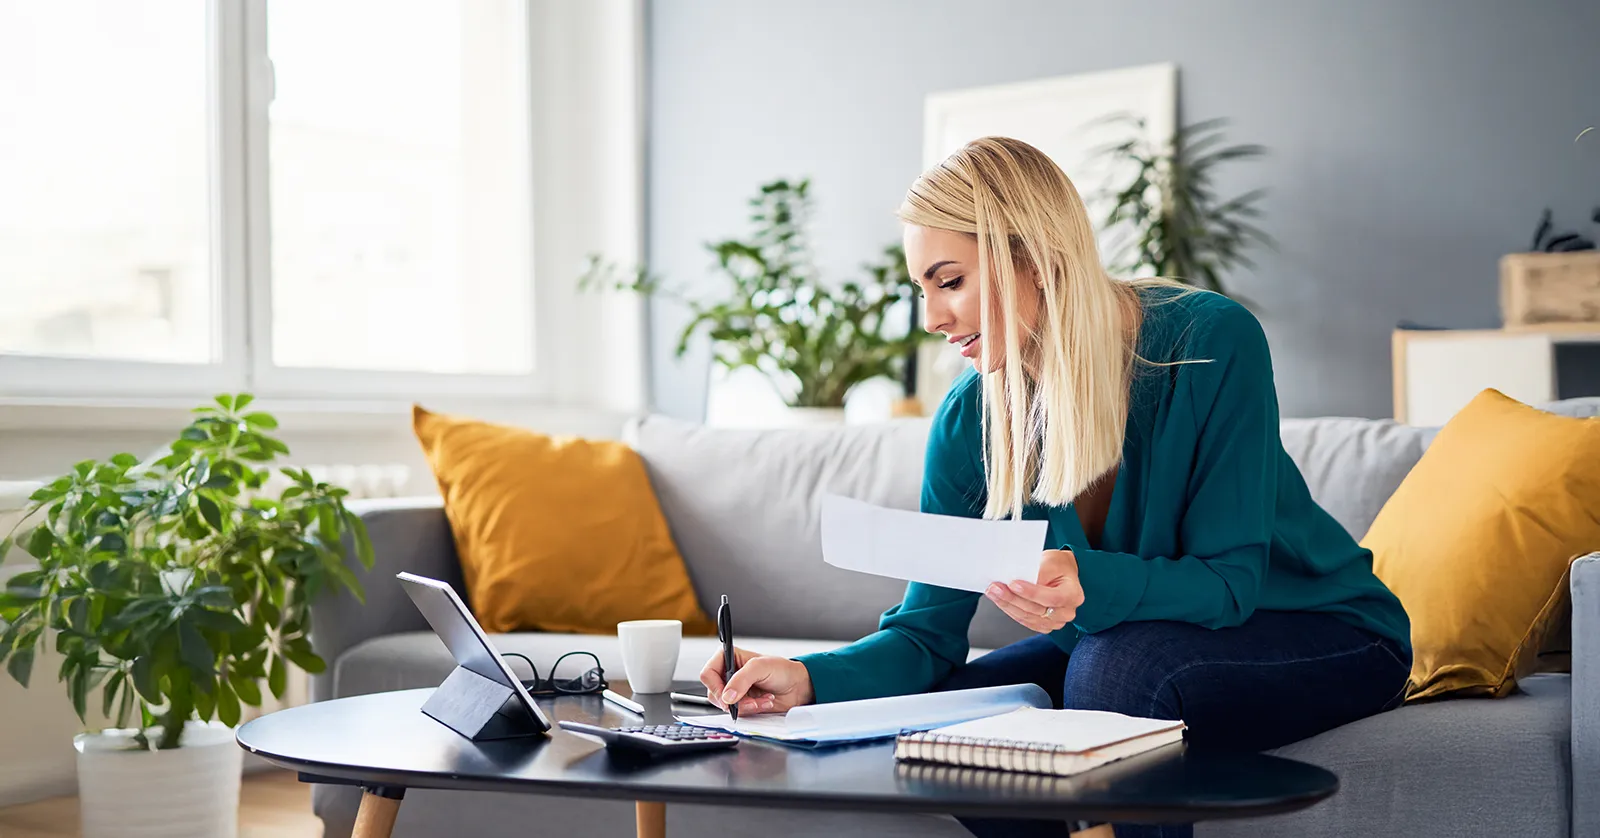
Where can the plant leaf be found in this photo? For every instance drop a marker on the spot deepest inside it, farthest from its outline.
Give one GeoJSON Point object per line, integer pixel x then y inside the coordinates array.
{"type": "Point", "coordinates": [78, 688]}
{"type": "Point", "coordinates": [27, 586]}
{"type": "Point", "coordinates": [131, 614]}
{"type": "Point", "coordinates": [220, 621]}
{"type": "Point", "coordinates": [111, 542]}
{"type": "Point", "coordinates": [194, 650]}
{"type": "Point", "coordinates": [278, 677]}
{"type": "Point", "coordinates": [20, 665]}
{"type": "Point", "coordinates": [215, 596]}
{"type": "Point", "coordinates": [245, 687]}
{"type": "Point", "coordinates": [144, 678]}
{"type": "Point", "coordinates": [210, 511]}
{"type": "Point", "coordinates": [205, 699]}
{"type": "Point", "coordinates": [78, 614]}
{"type": "Point", "coordinates": [364, 551]}
{"type": "Point", "coordinates": [108, 695]}
{"type": "Point", "coordinates": [39, 542]}
{"type": "Point", "coordinates": [305, 659]}
{"type": "Point", "coordinates": [264, 421]}
{"type": "Point", "coordinates": [227, 704]}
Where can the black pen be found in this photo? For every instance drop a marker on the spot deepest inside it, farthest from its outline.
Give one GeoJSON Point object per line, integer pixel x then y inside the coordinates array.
{"type": "Point", "coordinates": [729, 665]}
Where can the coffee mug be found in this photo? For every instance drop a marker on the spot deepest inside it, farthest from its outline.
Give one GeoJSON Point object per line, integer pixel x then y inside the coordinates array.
{"type": "Point", "coordinates": [650, 653]}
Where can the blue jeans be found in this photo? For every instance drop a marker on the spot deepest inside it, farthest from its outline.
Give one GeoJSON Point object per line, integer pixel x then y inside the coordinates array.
{"type": "Point", "coordinates": [1279, 678]}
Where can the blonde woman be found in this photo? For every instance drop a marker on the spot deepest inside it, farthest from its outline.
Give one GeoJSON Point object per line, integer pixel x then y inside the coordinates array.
{"type": "Point", "coordinates": [1192, 575]}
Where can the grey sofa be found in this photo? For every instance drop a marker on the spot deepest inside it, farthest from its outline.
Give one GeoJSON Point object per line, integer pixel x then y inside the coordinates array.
{"type": "Point", "coordinates": [742, 508]}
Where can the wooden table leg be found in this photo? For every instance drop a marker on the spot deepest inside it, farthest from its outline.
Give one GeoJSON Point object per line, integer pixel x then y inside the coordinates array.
{"type": "Point", "coordinates": [1101, 831]}
{"type": "Point", "coordinates": [652, 819]}
{"type": "Point", "coordinates": [380, 805]}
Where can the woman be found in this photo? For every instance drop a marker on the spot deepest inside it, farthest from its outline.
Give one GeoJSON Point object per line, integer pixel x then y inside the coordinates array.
{"type": "Point", "coordinates": [1192, 575]}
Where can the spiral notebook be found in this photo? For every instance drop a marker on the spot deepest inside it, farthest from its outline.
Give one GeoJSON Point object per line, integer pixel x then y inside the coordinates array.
{"type": "Point", "coordinates": [1060, 742]}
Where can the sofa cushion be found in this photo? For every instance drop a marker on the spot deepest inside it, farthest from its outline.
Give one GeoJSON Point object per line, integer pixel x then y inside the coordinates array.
{"type": "Point", "coordinates": [1352, 466]}
{"type": "Point", "coordinates": [557, 533]}
{"type": "Point", "coordinates": [1477, 541]}
{"type": "Point", "coordinates": [743, 508]}
{"type": "Point", "coordinates": [413, 659]}
{"type": "Point", "coordinates": [1581, 408]}
{"type": "Point", "coordinates": [1469, 766]}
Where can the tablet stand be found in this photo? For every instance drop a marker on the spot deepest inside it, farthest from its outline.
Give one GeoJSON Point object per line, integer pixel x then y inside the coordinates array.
{"type": "Point", "coordinates": [480, 709]}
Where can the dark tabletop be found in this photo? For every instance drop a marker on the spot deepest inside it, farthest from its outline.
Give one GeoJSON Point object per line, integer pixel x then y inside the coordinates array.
{"type": "Point", "coordinates": [384, 739]}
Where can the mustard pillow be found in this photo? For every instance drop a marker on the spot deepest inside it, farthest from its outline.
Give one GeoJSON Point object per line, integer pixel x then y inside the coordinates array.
{"type": "Point", "coordinates": [1478, 541]}
{"type": "Point", "coordinates": [555, 533]}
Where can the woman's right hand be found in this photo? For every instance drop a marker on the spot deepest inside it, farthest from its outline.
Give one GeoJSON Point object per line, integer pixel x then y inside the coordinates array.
{"type": "Point", "coordinates": [762, 684]}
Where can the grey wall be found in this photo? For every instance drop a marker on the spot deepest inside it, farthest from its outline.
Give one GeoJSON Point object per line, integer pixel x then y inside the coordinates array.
{"type": "Point", "coordinates": [1413, 142]}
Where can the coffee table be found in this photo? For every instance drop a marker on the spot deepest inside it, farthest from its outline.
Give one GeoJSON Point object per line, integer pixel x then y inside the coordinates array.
{"type": "Point", "coordinates": [384, 744]}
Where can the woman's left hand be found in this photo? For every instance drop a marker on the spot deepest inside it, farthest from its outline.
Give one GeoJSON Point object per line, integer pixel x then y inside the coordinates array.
{"type": "Point", "coordinates": [1050, 603]}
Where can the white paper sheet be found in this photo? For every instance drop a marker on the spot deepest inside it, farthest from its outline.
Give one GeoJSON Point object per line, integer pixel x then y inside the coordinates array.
{"type": "Point", "coordinates": [1072, 730]}
{"type": "Point", "coordinates": [879, 717]}
{"type": "Point", "coordinates": [962, 553]}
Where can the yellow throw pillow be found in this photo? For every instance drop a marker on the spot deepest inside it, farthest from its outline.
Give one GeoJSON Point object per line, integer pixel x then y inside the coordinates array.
{"type": "Point", "coordinates": [1478, 540]}
{"type": "Point", "coordinates": [555, 533]}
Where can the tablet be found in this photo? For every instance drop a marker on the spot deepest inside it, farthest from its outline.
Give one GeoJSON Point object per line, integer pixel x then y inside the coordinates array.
{"type": "Point", "coordinates": [465, 639]}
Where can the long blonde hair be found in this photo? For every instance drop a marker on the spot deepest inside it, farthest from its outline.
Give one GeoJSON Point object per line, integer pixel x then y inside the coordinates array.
{"type": "Point", "coordinates": [1054, 426]}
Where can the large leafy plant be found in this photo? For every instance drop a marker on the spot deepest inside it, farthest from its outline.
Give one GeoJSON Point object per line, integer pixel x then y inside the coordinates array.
{"type": "Point", "coordinates": [1172, 221]}
{"type": "Point", "coordinates": [176, 587]}
{"type": "Point", "coordinates": [814, 340]}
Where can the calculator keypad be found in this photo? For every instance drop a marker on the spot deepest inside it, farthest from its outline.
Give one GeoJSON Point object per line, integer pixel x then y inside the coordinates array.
{"type": "Point", "coordinates": [673, 738]}
{"type": "Point", "coordinates": [677, 732]}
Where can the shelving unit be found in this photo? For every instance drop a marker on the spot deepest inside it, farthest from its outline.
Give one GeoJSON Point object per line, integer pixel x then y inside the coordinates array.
{"type": "Point", "coordinates": [1436, 372]}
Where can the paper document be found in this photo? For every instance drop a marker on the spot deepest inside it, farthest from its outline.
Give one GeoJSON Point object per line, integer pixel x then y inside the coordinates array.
{"type": "Point", "coordinates": [962, 553]}
{"type": "Point", "coordinates": [874, 718]}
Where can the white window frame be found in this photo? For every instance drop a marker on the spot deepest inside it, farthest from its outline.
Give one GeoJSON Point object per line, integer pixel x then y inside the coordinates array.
{"type": "Point", "coordinates": [588, 196]}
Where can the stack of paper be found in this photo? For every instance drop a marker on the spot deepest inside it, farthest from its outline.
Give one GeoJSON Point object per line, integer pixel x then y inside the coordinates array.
{"type": "Point", "coordinates": [877, 718]}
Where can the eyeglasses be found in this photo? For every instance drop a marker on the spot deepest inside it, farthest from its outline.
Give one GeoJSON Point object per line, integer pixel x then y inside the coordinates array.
{"type": "Point", "coordinates": [566, 677]}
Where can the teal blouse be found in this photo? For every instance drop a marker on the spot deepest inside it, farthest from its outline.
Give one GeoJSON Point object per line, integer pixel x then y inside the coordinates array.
{"type": "Point", "coordinates": [1210, 519]}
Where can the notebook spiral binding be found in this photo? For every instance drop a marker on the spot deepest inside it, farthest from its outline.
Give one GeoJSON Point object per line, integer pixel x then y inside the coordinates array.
{"type": "Point", "coordinates": [1002, 754]}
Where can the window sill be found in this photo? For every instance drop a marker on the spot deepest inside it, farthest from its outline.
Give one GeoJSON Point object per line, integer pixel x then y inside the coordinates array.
{"type": "Point", "coordinates": [297, 415]}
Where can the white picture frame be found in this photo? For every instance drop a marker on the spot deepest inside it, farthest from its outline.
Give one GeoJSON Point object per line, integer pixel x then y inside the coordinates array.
{"type": "Point", "coordinates": [1064, 117]}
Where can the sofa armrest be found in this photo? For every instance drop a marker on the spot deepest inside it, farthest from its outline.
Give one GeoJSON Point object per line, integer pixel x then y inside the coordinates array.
{"type": "Point", "coordinates": [407, 534]}
{"type": "Point", "coordinates": [1586, 695]}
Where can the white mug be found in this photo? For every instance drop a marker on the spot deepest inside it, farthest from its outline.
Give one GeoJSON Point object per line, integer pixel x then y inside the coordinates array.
{"type": "Point", "coordinates": [650, 653]}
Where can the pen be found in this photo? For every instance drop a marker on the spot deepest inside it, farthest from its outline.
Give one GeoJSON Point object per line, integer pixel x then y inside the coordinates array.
{"type": "Point", "coordinates": [624, 703]}
{"type": "Point", "coordinates": [725, 634]}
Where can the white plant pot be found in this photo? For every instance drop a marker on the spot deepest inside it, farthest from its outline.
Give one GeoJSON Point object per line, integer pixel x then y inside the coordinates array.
{"type": "Point", "coordinates": [811, 417]}
{"type": "Point", "coordinates": [191, 791]}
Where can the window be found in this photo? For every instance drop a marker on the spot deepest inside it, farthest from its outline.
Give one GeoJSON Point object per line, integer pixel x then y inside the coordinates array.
{"type": "Point", "coordinates": [297, 197]}
{"type": "Point", "coordinates": [105, 217]}
{"type": "Point", "coordinates": [399, 157]}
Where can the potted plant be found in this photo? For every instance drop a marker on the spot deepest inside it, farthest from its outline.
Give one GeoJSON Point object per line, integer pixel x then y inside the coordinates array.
{"type": "Point", "coordinates": [175, 588]}
{"type": "Point", "coordinates": [1173, 224]}
{"type": "Point", "coordinates": [813, 341]}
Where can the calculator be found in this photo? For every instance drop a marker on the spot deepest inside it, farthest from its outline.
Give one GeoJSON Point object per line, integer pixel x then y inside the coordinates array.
{"type": "Point", "coordinates": [656, 739]}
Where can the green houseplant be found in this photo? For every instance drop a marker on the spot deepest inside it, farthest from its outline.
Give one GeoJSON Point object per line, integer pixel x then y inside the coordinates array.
{"type": "Point", "coordinates": [176, 587]}
{"type": "Point", "coordinates": [1174, 224]}
{"type": "Point", "coordinates": [814, 341]}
